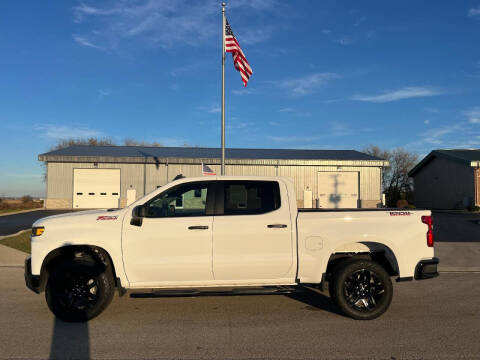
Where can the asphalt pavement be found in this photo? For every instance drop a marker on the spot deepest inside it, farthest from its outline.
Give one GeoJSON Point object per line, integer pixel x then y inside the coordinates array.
{"type": "Point", "coordinates": [456, 227]}
{"type": "Point", "coordinates": [11, 224]}
{"type": "Point", "coordinates": [436, 318]}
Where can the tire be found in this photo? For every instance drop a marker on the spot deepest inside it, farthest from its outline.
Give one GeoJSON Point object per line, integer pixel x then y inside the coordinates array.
{"type": "Point", "coordinates": [362, 289]}
{"type": "Point", "coordinates": [79, 289]}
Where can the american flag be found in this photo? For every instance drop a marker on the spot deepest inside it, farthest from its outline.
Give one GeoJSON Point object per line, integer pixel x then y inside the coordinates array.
{"type": "Point", "coordinates": [239, 60]}
{"type": "Point", "coordinates": [207, 170]}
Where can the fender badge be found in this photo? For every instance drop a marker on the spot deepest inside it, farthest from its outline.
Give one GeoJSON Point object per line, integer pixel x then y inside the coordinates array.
{"type": "Point", "coordinates": [107, 218]}
{"type": "Point", "coordinates": [400, 213]}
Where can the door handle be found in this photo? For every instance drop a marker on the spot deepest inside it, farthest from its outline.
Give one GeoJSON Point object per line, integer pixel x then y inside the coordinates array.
{"type": "Point", "coordinates": [198, 227]}
{"type": "Point", "coordinates": [277, 226]}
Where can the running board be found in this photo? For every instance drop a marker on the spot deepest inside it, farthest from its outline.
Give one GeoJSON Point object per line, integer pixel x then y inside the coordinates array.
{"type": "Point", "coordinates": [267, 290]}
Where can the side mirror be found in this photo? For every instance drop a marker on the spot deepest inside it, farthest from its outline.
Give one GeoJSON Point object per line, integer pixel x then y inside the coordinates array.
{"type": "Point", "coordinates": [138, 213]}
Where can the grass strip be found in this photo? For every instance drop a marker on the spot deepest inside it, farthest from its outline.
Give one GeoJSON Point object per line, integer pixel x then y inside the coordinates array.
{"type": "Point", "coordinates": [20, 242]}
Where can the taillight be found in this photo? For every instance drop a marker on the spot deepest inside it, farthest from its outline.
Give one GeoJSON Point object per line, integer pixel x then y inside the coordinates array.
{"type": "Point", "coordinates": [428, 220]}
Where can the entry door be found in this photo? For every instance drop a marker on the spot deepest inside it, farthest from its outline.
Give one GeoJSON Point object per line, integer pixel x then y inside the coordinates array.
{"type": "Point", "coordinates": [96, 188]}
{"type": "Point", "coordinates": [252, 235]}
{"type": "Point", "coordinates": [338, 189]}
{"type": "Point", "coordinates": [173, 245]}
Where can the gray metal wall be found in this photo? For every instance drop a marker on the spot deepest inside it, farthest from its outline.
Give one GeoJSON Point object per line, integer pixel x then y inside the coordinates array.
{"type": "Point", "coordinates": [60, 176]}
{"type": "Point", "coordinates": [444, 184]}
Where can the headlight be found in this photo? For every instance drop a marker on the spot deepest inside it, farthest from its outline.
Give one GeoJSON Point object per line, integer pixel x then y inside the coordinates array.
{"type": "Point", "coordinates": [37, 231]}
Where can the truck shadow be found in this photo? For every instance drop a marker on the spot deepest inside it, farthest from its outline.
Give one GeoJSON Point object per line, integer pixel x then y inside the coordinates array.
{"type": "Point", "coordinates": [70, 340]}
{"type": "Point", "coordinates": [314, 301]}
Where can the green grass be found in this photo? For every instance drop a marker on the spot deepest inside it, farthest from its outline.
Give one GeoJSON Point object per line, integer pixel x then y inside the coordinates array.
{"type": "Point", "coordinates": [20, 242]}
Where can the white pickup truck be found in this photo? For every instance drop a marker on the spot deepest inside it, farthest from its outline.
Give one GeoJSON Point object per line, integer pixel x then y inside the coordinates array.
{"type": "Point", "coordinates": [230, 231]}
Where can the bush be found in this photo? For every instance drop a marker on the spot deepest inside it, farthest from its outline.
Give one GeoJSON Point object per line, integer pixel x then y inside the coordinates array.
{"type": "Point", "coordinates": [410, 206]}
{"type": "Point", "coordinates": [27, 199]}
{"type": "Point", "coordinates": [473, 208]}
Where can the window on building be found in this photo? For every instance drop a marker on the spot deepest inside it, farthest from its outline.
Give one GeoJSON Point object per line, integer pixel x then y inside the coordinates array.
{"type": "Point", "coordinates": [251, 197]}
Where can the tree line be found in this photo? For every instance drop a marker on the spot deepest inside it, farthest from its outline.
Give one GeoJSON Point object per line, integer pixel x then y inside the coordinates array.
{"type": "Point", "coordinates": [396, 184]}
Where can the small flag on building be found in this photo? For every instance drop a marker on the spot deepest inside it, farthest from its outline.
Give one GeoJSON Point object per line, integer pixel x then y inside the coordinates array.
{"type": "Point", "coordinates": [207, 170]}
{"type": "Point", "coordinates": [239, 60]}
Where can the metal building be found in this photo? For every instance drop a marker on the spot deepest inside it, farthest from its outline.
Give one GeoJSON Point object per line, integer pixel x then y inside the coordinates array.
{"type": "Point", "coordinates": [112, 176]}
{"type": "Point", "coordinates": [447, 179]}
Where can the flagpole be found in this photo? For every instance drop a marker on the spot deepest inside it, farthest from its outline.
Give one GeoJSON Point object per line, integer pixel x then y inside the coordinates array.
{"type": "Point", "coordinates": [223, 89]}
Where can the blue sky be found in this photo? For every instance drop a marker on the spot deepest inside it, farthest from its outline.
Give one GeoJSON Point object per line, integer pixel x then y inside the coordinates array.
{"type": "Point", "coordinates": [326, 75]}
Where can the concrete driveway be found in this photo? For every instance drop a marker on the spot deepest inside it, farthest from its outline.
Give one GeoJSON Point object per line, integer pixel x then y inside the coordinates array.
{"type": "Point", "coordinates": [11, 224]}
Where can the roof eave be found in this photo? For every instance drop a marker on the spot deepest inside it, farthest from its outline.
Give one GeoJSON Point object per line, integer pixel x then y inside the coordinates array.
{"type": "Point", "coordinates": [232, 161]}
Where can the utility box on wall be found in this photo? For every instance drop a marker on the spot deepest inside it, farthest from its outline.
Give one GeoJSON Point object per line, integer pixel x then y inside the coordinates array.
{"type": "Point", "coordinates": [307, 198]}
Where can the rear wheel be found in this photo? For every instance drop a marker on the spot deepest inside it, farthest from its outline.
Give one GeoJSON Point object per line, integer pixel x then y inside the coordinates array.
{"type": "Point", "coordinates": [79, 289]}
{"type": "Point", "coordinates": [362, 289]}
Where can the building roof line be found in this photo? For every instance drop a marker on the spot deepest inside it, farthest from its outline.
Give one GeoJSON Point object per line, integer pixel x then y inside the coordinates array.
{"type": "Point", "coordinates": [204, 153]}
{"type": "Point", "coordinates": [463, 156]}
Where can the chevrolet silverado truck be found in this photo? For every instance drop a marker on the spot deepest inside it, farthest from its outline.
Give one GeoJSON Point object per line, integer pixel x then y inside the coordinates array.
{"type": "Point", "coordinates": [227, 231]}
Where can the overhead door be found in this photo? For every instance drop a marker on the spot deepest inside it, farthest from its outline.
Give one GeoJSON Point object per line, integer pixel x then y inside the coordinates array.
{"type": "Point", "coordinates": [338, 190]}
{"type": "Point", "coordinates": [96, 188]}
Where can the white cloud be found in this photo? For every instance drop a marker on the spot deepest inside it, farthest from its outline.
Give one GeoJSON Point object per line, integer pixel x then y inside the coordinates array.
{"type": "Point", "coordinates": [308, 84]}
{"type": "Point", "coordinates": [274, 123]}
{"type": "Point", "coordinates": [473, 115]}
{"type": "Point", "coordinates": [326, 31]}
{"type": "Point", "coordinates": [162, 23]}
{"type": "Point", "coordinates": [103, 92]}
{"type": "Point", "coordinates": [244, 91]}
{"type": "Point", "coordinates": [451, 136]}
{"type": "Point", "coordinates": [53, 131]}
{"type": "Point", "coordinates": [400, 94]}
{"type": "Point", "coordinates": [426, 122]}
{"type": "Point", "coordinates": [254, 36]}
{"type": "Point", "coordinates": [474, 11]}
{"type": "Point", "coordinates": [84, 42]}
{"type": "Point", "coordinates": [214, 109]}
{"type": "Point", "coordinates": [286, 110]}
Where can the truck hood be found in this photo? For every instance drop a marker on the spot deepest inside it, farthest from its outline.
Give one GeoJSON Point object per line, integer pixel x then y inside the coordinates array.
{"type": "Point", "coordinates": [81, 217]}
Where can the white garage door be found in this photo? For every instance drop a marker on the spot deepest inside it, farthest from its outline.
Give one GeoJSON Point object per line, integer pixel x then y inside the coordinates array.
{"type": "Point", "coordinates": [96, 188]}
{"type": "Point", "coordinates": [338, 189]}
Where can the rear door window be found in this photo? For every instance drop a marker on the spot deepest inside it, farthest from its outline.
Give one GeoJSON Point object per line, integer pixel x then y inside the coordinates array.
{"type": "Point", "coordinates": [250, 197]}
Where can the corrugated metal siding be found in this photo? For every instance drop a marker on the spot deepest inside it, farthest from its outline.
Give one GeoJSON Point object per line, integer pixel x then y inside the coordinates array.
{"type": "Point", "coordinates": [60, 176]}
{"type": "Point", "coordinates": [156, 176]}
{"type": "Point", "coordinates": [252, 170]}
{"type": "Point", "coordinates": [444, 184]}
{"type": "Point", "coordinates": [308, 176]}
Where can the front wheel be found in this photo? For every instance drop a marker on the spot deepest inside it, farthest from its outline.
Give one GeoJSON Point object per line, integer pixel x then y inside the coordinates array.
{"type": "Point", "coordinates": [79, 289]}
{"type": "Point", "coordinates": [362, 289]}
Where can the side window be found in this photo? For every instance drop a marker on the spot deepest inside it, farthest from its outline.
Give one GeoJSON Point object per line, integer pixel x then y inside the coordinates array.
{"type": "Point", "coordinates": [250, 197]}
{"type": "Point", "coordinates": [180, 201]}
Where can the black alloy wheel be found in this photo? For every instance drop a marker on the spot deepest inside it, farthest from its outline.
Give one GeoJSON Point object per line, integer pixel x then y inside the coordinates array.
{"type": "Point", "coordinates": [362, 289]}
{"type": "Point", "coordinates": [79, 289]}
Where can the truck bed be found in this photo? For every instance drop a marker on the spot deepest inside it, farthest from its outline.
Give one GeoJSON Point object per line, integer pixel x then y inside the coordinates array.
{"type": "Point", "coordinates": [355, 209]}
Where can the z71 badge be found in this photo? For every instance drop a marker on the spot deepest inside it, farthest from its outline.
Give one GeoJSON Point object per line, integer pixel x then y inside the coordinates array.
{"type": "Point", "coordinates": [107, 218]}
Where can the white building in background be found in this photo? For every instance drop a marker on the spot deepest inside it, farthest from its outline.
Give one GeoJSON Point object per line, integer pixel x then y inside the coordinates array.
{"type": "Point", "coordinates": [115, 176]}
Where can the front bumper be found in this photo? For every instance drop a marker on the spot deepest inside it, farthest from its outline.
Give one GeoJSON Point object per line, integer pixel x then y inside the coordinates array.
{"type": "Point", "coordinates": [32, 281]}
{"type": "Point", "coordinates": [426, 269]}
